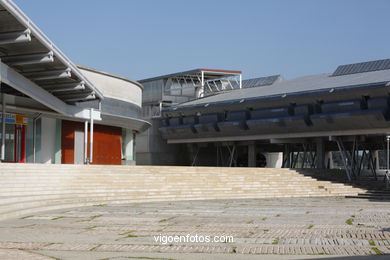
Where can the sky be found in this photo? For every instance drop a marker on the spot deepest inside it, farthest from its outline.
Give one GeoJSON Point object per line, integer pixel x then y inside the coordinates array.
{"type": "Point", "coordinates": [145, 38]}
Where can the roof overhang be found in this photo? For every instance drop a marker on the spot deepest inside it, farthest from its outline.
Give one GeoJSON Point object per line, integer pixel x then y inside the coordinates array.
{"type": "Point", "coordinates": [32, 65]}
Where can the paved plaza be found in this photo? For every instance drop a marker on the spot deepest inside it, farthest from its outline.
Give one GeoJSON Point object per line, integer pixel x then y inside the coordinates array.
{"type": "Point", "coordinates": [284, 228]}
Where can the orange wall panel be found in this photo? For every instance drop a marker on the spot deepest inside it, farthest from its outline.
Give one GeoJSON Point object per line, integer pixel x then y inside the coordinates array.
{"type": "Point", "coordinates": [107, 143]}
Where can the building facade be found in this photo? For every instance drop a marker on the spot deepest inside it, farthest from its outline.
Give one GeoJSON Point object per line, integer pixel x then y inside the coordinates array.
{"type": "Point", "coordinates": [338, 119]}
{"type": "Point", "coordinates": [53, 111]}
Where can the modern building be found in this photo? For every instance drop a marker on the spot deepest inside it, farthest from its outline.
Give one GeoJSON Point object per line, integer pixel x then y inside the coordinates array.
{"type": "Point", "coordinates": [277, 122]}
{"type": "Point", "coordinates": [170, 90]}
{"type": "Point", "coordinates": [55, 112]}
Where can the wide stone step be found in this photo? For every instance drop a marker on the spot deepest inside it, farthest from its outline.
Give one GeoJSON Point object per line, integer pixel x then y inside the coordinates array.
{"type": "Point", "coordinates": [31, 187]}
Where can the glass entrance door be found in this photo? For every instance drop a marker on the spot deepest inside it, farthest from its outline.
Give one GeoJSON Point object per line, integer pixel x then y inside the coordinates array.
{"type": "Point", "coordinates": [14, 143]}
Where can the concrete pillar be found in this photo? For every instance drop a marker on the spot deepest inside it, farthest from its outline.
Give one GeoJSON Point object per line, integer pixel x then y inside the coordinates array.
{"type": "Point", "coordinates": [128, 147]}
{"type": "Point", "coordinates": [376, 156]}
{"type": "Point", "coordinates": [287, 154]}
{"type": "Point", "coordinates": [320, 159]}
{"type": "Point", "coordinates": [331, 164]}
{"type": "Point", "coordinates": [252, 155]}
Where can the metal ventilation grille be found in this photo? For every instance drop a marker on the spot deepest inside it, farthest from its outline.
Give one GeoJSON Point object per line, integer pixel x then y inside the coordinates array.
{"type": "Point", "coordinates": [362, 67]}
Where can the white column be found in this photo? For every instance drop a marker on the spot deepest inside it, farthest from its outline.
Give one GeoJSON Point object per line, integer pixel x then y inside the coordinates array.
{"type": "Point", "coordinates": [128, 146]}
{"type": "Point", "coordinates": [86, 141]}
{"type": "Point", "coordinates": [91, 139]}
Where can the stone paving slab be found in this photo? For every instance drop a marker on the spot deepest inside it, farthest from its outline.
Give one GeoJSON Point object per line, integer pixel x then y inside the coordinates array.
{"type": "Point", "coordinates": [288, 227]}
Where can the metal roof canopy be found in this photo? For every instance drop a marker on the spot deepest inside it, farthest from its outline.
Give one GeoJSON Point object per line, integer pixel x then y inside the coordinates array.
{"type": "Point", "coordinates": [31, 64]}
{"type": "Point", "coordinates": [209, 74]}
{"type": "Point", "coordinates": [202, 81]}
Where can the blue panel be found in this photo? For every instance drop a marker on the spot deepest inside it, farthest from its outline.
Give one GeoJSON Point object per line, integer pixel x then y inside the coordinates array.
{"type": "Point", "coordinates": [270, 113]}
{"type": "Point", "coordinates": [206, 118]}
{"type": "Point", "coordinates": [189, 120]}
{"type": "Point", "coordinates": [378, 103]}
{"type": "Point", "coordinates": [206, 128]}
{"type": "Point", "coordinates": [341, 106]}
{"type": "Point", "coordinates": [174, 121]}
{"type": "Point", "coordinates": [236, 116]}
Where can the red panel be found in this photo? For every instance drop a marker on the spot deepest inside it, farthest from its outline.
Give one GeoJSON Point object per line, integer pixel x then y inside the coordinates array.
{"type": "Point", "coordinates": [107, 145]}
{"type": "Point", "coordinates": [23, 146]}
{"type": "Point", "coordinates": [67, 141]}
{"type": "Point", "coordinates": [107, 142]}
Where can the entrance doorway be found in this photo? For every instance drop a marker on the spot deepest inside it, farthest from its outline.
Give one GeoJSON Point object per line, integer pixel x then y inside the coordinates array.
{"type": "Point", "coordinates": [15, 143]}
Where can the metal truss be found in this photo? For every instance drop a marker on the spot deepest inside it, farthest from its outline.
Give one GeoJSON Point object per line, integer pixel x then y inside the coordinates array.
{"type": "Point", "coordinates": [183, 84]}
{"type": "Point", "coordinates": [356, 160]}
{"type": "Point", "coordinates": [303, 157]}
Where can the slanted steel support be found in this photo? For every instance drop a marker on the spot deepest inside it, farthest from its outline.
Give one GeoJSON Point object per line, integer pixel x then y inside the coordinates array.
{"type": "Point", "coordinates": [345, 157]}
{"type": "Point", "coordinates": [372, 165]}
{"type": "Point", "coordinates": [195, 157]}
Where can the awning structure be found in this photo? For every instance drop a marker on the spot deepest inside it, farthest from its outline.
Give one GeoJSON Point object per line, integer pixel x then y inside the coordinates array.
{"type": "Point", "coordinates": [32, 66]}
{"type": "Point", "coordinates": [199, 82]}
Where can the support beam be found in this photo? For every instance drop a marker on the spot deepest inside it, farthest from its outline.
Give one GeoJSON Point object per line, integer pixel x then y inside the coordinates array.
{"type": "Point", "coordinates": [17, 81]}
{"type": "Point", "coordinates": [20, 60]}
{"type": "Point", "coordinates": [77, 96]}
{"type": "Point", "coordinates": [50, 74]}
{"type": "Point", "coordinates": [29, 88]}
{"type": "Point", "coordinates": [15, 37]}
{"type": "Point", "coordinates": [65, 87]}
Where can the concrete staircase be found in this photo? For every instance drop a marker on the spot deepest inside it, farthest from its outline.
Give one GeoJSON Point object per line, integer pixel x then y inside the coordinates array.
{"type": "Point", "coordinates": [376, 189]}
{"type": "Point", "coordinates": [28, 188]}
{"type": "Point", "coordinates": [371, 188]}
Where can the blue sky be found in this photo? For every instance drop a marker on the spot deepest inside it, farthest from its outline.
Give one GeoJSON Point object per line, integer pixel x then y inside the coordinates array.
{"type": "Point", "coordinates": [145, 38]}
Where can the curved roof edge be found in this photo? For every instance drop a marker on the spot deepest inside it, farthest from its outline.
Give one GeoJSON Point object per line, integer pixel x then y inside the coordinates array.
{"type": "Point", "coordinates": [111, 75]}
{"type": "Point", "coordinates": [139, 125]}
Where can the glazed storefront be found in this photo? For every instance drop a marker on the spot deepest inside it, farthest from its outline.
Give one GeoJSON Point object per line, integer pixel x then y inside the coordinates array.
{"type": "Point", "coordinates": [13, 137]}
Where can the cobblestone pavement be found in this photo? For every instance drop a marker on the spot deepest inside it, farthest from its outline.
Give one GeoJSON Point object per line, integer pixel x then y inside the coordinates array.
{"type": "Point", "coordinates": [289, 228]}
